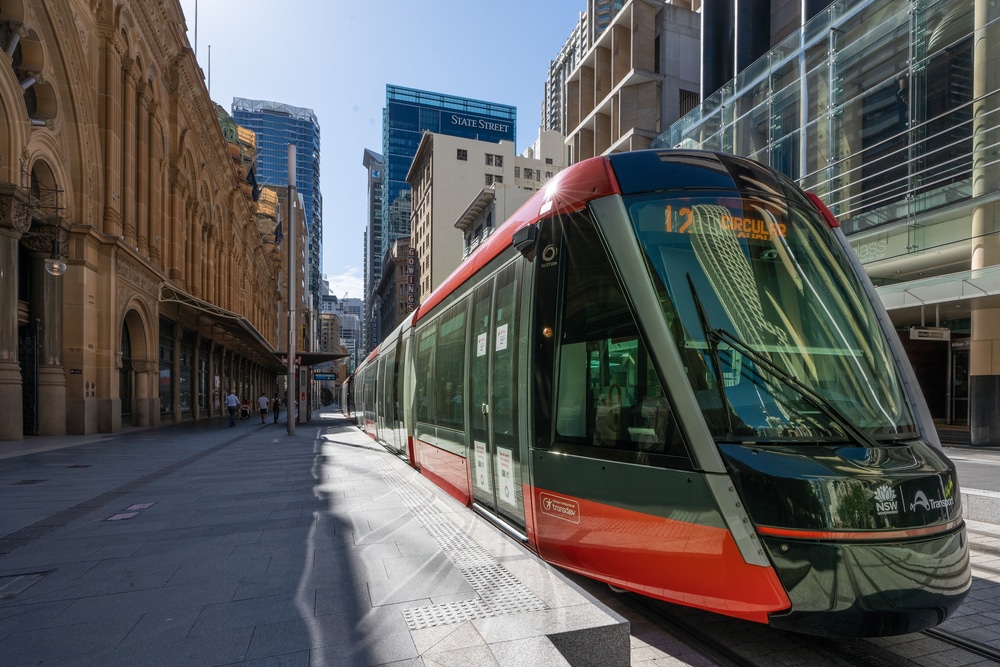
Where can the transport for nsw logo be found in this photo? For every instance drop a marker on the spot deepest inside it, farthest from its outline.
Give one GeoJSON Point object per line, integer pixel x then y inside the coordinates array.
{"type": "Point", "coordinates": [561, 508]}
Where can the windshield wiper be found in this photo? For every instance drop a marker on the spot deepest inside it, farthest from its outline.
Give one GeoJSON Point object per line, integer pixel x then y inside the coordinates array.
{"type": "Point", "coordinates": [827, 408]}
{"type": "Point", "coordinates": [713, 347]}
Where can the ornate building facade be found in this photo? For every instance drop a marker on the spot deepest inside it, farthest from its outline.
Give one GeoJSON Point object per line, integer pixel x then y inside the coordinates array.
{"type": "Point", "coordinates": [135, 287]}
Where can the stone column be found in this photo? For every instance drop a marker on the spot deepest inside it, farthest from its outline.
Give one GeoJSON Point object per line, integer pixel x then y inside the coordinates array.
{"type": "Point", "coordinates": [130, 166]}
{"type": "Point", "coordinates": [174, 230]}
{"type": "Point", "coordinates": [175, 371]}
{"type": "Point", "coordinates": [210, 391]}
{"type": "Point", "coordinates": [14, 220]}
{"type": "Point", "coordinates": [146, 406]}
{"type": "Point", "coordinates": [46, 307]}
{"type": "Point", "coordinates": [145, 170]}
{"type": "Point", "coordinates": [196, 388]}
{"type": "Point", "coordinates": [112, 139]}
{"type": "Point", "coordinates": [197, 259]}
{"type": "Point", "coordinates": [984, 349]}
{"type": "Point", "coordinates": [157, 187]}
{"type": "Point", "coordinates": [12, 424]}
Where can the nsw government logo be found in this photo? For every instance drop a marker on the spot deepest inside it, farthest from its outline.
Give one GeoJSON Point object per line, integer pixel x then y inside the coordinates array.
{"type": "Point", "coordinates": [885, 501]}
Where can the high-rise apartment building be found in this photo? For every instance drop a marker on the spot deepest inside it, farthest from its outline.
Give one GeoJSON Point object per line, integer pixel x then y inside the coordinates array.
{"type": "Point", "coordinates": [601, 13]}
{"type": "Point", "coordinates": [553, 116]}
{"type": "Point", "coordinates": [408, 113]}
{"type": "Point", "coordinates": [277, 125]}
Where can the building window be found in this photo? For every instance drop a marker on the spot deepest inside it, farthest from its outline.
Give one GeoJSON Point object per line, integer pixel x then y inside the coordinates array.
{"type": "Point", "coordinates": [548, 160]}
{"type": "Point", "coordinates": [548, 175]}
{"type": "Point", "coordinates": [529, 173]}
{"type": "Point", "coordinates": [498, 179]}
{"type": "Point", "coordinates": [498, 160]}
{"type": "Point", "coordinates": [689, 100]}
{"type": "Point", "coordinates": [489, 179]}
{"type": "Point", "coordinates": [462, 155]}
{"type": "Point", "coordinates": [489, 160]}
{"type": "Point", "coordinates": [517, 172]}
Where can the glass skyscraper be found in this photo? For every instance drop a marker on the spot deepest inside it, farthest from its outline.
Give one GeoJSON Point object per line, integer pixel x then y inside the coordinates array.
{"type": "Point", "coordinates": [276, 126]}
{"type": "Point", "coordinates": [408, 113]}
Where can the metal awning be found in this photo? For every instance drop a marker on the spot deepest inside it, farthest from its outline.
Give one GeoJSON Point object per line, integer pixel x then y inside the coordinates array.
{"type": "Point", "coordinates": [216, 322]}
{"type": "Point", "coordinates": [951, 295]}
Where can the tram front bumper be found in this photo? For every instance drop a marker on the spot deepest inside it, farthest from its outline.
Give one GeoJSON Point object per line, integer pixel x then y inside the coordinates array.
{"type": "Point", "coordinates": [870, 589]}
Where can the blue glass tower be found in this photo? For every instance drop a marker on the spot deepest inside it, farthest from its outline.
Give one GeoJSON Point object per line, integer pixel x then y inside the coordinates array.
{"type": "Point", "coordinates": [408, 113]}
{"type": "Point", "coordinates": [276, 126]}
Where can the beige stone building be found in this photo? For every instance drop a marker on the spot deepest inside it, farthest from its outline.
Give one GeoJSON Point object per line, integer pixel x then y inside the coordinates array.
{"type": "Point", "coordinates": [448, 173]}
{"type": "Point", "coordinates": [113, 161]}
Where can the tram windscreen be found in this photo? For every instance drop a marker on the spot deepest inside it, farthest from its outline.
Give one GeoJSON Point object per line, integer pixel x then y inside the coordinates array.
{"type": "Point", "coordinates": [806, 352]}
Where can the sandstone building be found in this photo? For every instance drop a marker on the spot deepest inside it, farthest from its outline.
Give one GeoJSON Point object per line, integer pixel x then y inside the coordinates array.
{"type": "Point", "coordinates": [113, 162]}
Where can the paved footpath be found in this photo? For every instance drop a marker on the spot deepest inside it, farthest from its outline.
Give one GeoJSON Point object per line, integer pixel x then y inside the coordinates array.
{"type": "Point", "coordinates": [201, 544]}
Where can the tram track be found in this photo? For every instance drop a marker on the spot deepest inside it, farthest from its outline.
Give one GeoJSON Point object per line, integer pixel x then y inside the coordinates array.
{"type": "Point", "coordinates": [970, 645]}
{"type": "Point", "coordinates": [735, 643]}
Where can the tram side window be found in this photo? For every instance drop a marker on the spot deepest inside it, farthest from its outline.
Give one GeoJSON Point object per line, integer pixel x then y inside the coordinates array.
{"type": "Point", "coordinates": [609, 395]}
{"type": "Point", "coordinates": [424, 371]}
{"type": "Point", "coordinates": [440, 370]}
{"type": "Point", "coordinates": [449, 371]}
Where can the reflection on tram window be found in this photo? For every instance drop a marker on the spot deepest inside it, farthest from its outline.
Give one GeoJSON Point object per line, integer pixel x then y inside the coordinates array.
{"type": "Point", "coordinates": [760, 296]}
{"type": "Point", "coordinates": [609, 396]}
{"type": "Point", "coordinates": [440, 366]}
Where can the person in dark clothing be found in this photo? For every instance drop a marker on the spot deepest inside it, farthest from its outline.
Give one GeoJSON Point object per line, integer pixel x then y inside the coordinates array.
{"type": "Point", "coordinates": [276, 407]}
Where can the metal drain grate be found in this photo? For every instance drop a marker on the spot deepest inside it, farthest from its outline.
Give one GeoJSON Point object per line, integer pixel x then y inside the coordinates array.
{"type": "Point", "coordinates": [499, 591]}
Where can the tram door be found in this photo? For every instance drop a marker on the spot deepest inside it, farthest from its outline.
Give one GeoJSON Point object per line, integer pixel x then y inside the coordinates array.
{"type": "Point", "coordinates": [495, 456]}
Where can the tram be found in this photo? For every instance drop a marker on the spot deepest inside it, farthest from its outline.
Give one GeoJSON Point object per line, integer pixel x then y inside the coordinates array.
{"type": "Point", "coordinates": [667, 371]}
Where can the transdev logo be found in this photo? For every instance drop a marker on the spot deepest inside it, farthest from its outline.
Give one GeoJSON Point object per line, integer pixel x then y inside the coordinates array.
{"type": "Point", "coordinates": [561, 508]}
{"type": "Point", "coordinates": [885, 501]}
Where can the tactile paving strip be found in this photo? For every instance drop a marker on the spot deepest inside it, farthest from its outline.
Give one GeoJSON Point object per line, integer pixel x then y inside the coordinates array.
{"type": "Point", "coordinates": [499, 591]}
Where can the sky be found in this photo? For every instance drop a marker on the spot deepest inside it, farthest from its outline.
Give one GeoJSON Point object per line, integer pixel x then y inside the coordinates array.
{"type": "Point", "coordinates": [336, 57]}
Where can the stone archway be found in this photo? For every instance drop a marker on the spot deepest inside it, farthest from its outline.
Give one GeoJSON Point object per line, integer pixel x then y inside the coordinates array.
{"type": "Point", "coordinates": [137, 374]}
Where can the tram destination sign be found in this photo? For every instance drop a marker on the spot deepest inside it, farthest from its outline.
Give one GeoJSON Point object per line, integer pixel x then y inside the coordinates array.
{"type": "Point", "coordinates": [325, 376]}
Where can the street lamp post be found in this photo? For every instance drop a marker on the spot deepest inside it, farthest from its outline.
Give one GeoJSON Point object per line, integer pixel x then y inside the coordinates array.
{"type": "Point", "coordinates": [292, 395]}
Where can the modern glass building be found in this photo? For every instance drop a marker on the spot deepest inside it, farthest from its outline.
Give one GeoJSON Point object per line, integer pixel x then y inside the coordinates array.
{"type": "Point", "coordinates": [408, 113]}
{"type": "Point", "coordinates": [889, 110]}
{"type": "Point", "coordinates": [276, 126]}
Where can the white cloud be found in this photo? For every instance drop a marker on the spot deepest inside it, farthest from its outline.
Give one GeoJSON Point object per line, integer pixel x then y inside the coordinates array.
{"type": "Point", "coordinates": [349, 283]}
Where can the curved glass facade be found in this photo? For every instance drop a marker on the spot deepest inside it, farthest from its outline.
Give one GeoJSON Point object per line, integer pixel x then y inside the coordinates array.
{"type": "Point", "coordinates": [871, 105]}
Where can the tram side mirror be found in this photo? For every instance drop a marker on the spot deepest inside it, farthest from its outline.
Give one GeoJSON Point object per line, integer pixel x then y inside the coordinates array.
{"type": "Point", "coordinates": [524, 240]}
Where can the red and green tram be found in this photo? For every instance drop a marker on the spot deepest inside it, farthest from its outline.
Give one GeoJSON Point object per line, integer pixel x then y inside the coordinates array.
{"type": "Point", "coordinates": [668, 372]}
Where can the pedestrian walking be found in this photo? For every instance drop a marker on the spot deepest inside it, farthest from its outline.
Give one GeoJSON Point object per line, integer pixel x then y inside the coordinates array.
{"type": "Point", "coordinates": [276, 406]}
{"type": "Point", "coordinates": [263, 404]}
{"type": "Point", "coordinates": [232, 402]}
